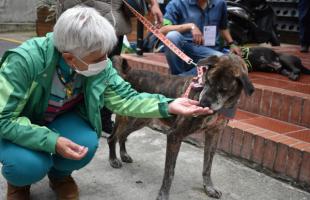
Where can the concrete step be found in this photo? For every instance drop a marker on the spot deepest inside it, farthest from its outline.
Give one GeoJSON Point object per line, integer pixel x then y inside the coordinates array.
{"type": "Point", "coordinates": [280, 147]}
{"type": "Point", "coordinates": [277, 97]}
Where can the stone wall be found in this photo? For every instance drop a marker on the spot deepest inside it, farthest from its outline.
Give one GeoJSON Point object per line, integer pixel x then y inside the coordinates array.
{"type": "Point", "coordinates": [17, 15]}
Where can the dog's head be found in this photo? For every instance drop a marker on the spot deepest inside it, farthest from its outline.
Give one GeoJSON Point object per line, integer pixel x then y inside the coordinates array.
{"type": "Point", "coordinates": [264, 59]}
{"type": "Point", "coordinates": [226, 77]}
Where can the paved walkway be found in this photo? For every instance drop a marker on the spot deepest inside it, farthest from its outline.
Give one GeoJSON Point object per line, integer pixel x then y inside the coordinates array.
{"type": "Point", "coordinates": [141, 180]}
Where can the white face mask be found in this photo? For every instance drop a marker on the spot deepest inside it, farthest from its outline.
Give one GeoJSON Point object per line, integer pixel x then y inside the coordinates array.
{"type": "Point", "coordinates": [93, 69]}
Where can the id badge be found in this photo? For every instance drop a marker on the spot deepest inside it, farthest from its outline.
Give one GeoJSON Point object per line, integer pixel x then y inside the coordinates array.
{"type": "Point", "coordinates": [209, 35]}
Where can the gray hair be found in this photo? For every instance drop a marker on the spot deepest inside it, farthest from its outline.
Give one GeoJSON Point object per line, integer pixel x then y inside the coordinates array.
{"type": "Point", "coordinates": [82, 30]}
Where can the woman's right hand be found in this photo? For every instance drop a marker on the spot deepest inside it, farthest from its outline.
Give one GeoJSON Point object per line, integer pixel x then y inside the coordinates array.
{"type": "Point", "coordinates": [68, 149]}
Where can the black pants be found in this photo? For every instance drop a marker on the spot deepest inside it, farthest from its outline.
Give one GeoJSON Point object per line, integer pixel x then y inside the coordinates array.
{"type": "Point", "coordinates": [106, 121]}
{"type": "Point", "coordinates": [304, 21]}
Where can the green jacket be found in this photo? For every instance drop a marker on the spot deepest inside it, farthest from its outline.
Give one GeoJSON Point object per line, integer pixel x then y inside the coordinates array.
{"type": "Point", "coordinates": [25, 82]}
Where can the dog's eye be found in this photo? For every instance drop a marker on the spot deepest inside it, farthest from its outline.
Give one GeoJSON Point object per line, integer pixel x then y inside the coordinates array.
{"type": "Point", "coordinates": [223, 90]}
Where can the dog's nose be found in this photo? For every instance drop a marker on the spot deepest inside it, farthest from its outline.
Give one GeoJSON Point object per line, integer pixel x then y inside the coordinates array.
{"type": "Point", "coordinates": [204, 104]}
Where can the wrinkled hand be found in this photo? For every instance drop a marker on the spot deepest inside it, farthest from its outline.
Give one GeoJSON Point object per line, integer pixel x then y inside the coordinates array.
{"type": "Point", "coordinates": [158, 16]}
{"type": "Point", "coordinates": [187, 107]}
{"type": "Point", "coordinates": [68, 149]}
{"type": "Point", "coordinates": [236, 50]}
{"type": "Point", "coordinates": [197, 35]}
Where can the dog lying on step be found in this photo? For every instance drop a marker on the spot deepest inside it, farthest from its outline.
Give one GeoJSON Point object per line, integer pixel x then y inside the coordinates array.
{"type": "Point", "coordinates": [222, 86]}
{"type": "Point", "coordinates": [267, 60]}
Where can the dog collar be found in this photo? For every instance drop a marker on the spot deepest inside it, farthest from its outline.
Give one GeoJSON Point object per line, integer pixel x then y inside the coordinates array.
{"type": "Point", "coordinates": [196, 82]}
{"type": "Point", "coordinates": [245, 55]}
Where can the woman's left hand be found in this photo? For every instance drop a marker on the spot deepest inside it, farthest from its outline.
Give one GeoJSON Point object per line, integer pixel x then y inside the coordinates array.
{"type": "Point", "coordinates": [187, 107]}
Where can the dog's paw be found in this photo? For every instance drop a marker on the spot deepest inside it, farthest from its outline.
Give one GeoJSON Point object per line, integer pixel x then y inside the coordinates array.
{"type": "Point", "coordinates": [212, 192]}
{"type": "Point", "coordinates": [162, 196]}
{"type": "Point", "coordinates": [126, 158]}
{"type": "Point", "coordinates": [293, 77]}
{"type": "Point", "coordinates": [115, 163]}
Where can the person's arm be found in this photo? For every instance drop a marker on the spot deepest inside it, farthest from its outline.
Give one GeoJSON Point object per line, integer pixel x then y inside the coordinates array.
{"type": "Point", "coordinates": [16, 84]}
{"type": "Point", "coordinates": [197, 34]}
{"type": "Point", "coordinates": [223, 27]}
{"type": "Point", "coordinates": [180, 28]}
{"type": "Point", "coordinates": [232, 46]}
{"type": "Point", "coordinates": [122, 99]}
{"type": "Point", "coordinates": [155, 10]}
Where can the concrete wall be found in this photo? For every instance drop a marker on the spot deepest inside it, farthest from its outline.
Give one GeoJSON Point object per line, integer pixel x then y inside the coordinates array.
{"type": "Point", "coordinates": [17, 14]}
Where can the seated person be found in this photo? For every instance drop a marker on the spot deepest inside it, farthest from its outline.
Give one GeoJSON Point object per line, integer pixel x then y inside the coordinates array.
{"type": "Point", "coordinates": [193, 26]}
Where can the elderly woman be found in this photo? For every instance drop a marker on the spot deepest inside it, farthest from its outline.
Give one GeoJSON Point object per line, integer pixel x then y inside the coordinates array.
{"type": "Point", "coordinates": [52, 89]}
{"type": "Point", "coordinates": [115, 12]}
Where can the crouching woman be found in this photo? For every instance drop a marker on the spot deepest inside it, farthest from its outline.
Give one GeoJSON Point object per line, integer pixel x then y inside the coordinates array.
{"type": "Point", "coordinates": [51, 92]}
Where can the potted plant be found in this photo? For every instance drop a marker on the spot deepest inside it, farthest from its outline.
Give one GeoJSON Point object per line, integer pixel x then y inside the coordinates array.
{"type": "Point", "coordinates": [46, 16]}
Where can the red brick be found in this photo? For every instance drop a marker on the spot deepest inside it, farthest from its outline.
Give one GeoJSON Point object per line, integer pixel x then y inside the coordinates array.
{"type": "Point", "coordinates": [247, 103]}
{"type": "Point", "coordinates": [281, 158]}
{"type": "Point", "coordinates": [285, 107]}
{"type": "Point", "coordinates": [247, 145]}
{"type": "Point", "coordinates": [267, 134]}
{"type": "Point", "coordinates": [256, 130]}
{"type": "Point", "coordinates": [276, 105]}
{"type": "Point", "coordinates": [269, 154]}
{"type": "Point", "coordinates": [293, 163]}
{"type": "Point", "coordinates": [304, 174]}
{"type": "Point", "coordinates": [305, 117]}
{"type": "Point", "coordinates": [290, 141]}
{"type": "Point", "coordinates": [303, 135]}
{"type": "Point", "coordinates": [255, 101]}
{"type": "Point", "coordinates": [226, 140]}
{"type": "Point", "coordinates": [301, 146]}
{"type": "Point", "coordinates": [242, 100]}
{"type": "Point", "coordinates": [266, 102]}
{"type": "Point", "coordinates": [278, 138]}
{"type": "Point", "coordinates": [242, 126]}
{"type": "Point", "coordinates": [296, 110]}
{"type": "Point", "coordinates": [258, 150]}
{"type": "Point", "coordinates": [237, 142]}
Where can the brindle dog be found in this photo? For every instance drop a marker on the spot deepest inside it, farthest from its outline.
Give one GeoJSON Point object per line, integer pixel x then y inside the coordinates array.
{"type": "Point", "coordinates": [223, 83]}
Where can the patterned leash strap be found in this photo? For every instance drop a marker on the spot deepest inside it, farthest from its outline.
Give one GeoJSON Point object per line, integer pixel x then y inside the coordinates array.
{"type": "Point", "coordinates": [160, 36]}
{"type": "Point", "coordinates": [196, 82]}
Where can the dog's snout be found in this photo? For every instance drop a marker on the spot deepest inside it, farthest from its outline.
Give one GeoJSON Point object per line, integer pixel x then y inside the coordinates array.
{"type": "Point", "coordinates": [205, 103]}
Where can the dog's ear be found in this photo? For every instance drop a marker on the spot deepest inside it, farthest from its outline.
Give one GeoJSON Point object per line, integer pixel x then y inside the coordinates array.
{"type": "Point", "coordinates": [209, 61]}
{"type": "Point", "coordinates": [246, 84]}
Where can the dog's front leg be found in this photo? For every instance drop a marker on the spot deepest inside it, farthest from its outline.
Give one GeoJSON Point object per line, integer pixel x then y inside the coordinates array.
{"type": "Point", "coordinates": [211, 138]}
{"type": "Point", "coordinates": [172, 150]}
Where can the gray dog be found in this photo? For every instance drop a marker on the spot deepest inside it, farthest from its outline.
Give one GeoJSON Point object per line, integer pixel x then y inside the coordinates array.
{"type": "Point", "coordinates": [223, 83]}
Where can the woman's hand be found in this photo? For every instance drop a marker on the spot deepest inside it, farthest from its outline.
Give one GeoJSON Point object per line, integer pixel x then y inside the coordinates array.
{"type": "Point", "coordinates": [187, 107]}
{"type": "Point", "coordinates": [68, 149]}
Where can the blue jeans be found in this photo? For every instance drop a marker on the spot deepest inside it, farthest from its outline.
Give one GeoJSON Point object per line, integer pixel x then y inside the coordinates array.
{"type": "Point", "coordinates": [196, 52]}
{"type": "Point", "coordinates": [22, 166]}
